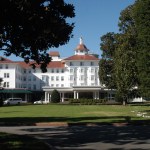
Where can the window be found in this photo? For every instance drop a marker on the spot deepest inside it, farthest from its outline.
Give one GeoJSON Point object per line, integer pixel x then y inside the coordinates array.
{"type": "Point", "coordinates": [82, 78]}
{"type": "Point", "coordinates": [62, 70]}
{"type": "Point", "coordinates": [92, 70]}
{"type": "Point", "coordinates": [29, 71]}
{"type": "Point", "coordinates": [71, 64]}
{"type": "Point", "coordinates": [71, 70]}
{"type": "Point", "coordinates": [92, 63]}
{"type": "Point", "coordinates": [71, 78]}
{"type": "Point", "coordinates": [34, 78]}
{"type": "Point", "coordinates": [1, 66]}
{"type": "Point", "coordinates": [62, 85]}
{"type": "Point", "coordinates": [45, 78]}
{"type": "Point", "coordinates": [29, 86]}
{"type": "Point", "coordinates": [29, 78]}
{"type": "Point", "coordinates": [24, 70]}
{"type": "Point", "coordinates": [34, 70]}
{"type": "Point", "coordinates": [57, 85]}
{"type": "Point", "coordinates": [24, 78]}
{"type": "Point", "coordinates": [34, 87]}
{"type": "Point", "coordinates": [81, 63]}
{"type": "Point", "coordinates": [52, 78]}
{"type": "Point", "coordinates": [6, 67]}
{"type": "Point", "coordinates": [6, 84]}
{"type": "Point", "coordinates": [57, 78]}
{"type": "Point", "coordinates": [6, 75]}
{"type": "Point", "coordinates": [52, 70]}
{"type": "Point", "coordinates": [52, 85]}
{"type": "Point", "coordinates": [57, 71]}
{"type": "Point", "coordinates": [62, 78]}
{"type": "Point", "coordinates": [82, 70]}
{"type": "Point", "coordinates": [24, 86]}
{"type": "Point", "coordinates": [92, 77]}
{"type": "Point", "coordinates": [71, 84]}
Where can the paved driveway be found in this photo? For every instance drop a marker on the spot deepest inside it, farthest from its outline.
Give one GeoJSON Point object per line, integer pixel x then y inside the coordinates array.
{"type": "Point", "coordinates": [102, 137]}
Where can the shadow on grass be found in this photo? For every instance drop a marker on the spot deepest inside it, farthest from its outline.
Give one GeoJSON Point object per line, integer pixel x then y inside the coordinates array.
{"type": "Point", "coordinates": [17, 142]}
{"type": "Point", "coordinates": [71, 121]}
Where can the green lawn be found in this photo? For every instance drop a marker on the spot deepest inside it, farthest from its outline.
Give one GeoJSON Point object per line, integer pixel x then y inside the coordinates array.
{"type": "Point", "coordinates": [30, 114]}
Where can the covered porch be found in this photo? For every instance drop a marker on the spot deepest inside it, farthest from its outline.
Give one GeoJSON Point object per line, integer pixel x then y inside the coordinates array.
{"type": "Point", "coordinates": [77, 92]}
{"type": "Point", "coordinates": [10, 93]}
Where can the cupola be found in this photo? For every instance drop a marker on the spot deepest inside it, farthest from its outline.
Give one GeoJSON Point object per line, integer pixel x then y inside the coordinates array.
{"type": "Point", "coordinates": [81, 49]}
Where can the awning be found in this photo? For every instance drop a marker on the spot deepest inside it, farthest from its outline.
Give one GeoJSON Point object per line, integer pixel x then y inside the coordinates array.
{"type": "Point", "coordinates": [15, 91]}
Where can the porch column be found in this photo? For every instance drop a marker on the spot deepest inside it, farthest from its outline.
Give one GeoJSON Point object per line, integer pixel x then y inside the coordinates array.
{"type": "Point", "coordinates": [48, 97]}
{"type": "Point", "coordinates": [77, 95]}
{"type": "Point", "coordinates": [26, 98]}
{"type": "Point", "coordinates": [45, 97]}
{"type": "Point", "coordinates": [98, 95]}
{"type": "Point", "coordinates": [62, 98]}
{"type": "Point", "coordinates": [94, 95]}
{"type": "Point", "coordinates": [74, 94]}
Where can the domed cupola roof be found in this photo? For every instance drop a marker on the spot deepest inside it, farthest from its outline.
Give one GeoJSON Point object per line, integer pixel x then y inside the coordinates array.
{"type": "Point", "coordinates": [81, 46]}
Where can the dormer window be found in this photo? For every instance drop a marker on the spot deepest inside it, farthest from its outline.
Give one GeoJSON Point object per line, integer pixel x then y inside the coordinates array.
{"type": "Point", "coordinates": [71, 64]}
{"type": "Point", "coordinates": [1, 66]}
{"type": "Point", "coordinates": [81, 63]}
{"type": "Point", "coordinates": [6, 67]}
{"type": "Point", "coordinates": [92, 63]}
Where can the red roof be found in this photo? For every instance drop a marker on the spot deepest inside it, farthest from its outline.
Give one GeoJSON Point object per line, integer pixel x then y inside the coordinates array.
{"type": "Point", "coordinates": [56, 64]}
{"type": "Point", "coordinates": [54, 53]}
{"type": "Point", "coordinates": [81, 47]}
{"type": "Point", "coordinates": [52, 64]}
{"type": "Point", "coordinates": [82, 57]}
{"type": "Point", "coordinates": [5, 60]}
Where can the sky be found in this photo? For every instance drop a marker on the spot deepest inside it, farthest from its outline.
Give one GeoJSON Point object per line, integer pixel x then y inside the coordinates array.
{"type": "Point", "coordinates": [93, 19]}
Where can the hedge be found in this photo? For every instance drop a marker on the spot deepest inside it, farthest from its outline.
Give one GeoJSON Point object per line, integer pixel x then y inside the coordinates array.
{"type": "Point", "coordinates": [87, 101]}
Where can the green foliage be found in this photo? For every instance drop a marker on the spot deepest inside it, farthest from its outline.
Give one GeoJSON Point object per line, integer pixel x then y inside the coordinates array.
{"type": "Point", "coordinates": [87, 101]}
{"type": "Point", "coordinates": [142, 21]}
{"type": "Point", "coordinates": [131, 56]}
{"type": "Point", "coordinates": [29, 28]}
{"type": "Point", "coordinates": [55, 96]}
{"type": "Point", "coordinates": [106, 64]}
{"type": "Point", "coordinates": [125, 69]}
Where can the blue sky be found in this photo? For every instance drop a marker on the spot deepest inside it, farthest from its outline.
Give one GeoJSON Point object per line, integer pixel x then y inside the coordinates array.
{"type": "Point", "coordinates": [93, 19]}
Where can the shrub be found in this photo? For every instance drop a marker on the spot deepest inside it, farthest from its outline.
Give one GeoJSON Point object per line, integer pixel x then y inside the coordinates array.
{"type": "Point", "coordinates": [88, 101]}
{"type": "Point", "coordinates": [55, 97]}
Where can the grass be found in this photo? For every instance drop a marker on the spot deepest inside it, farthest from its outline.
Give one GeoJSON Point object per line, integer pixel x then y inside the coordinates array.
{"type": "Point", "coordinates": [31, 114]}
{"type": "Point", "coordinates": [17, 142]}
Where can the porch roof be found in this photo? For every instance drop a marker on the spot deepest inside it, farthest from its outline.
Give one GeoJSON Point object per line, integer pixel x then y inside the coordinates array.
{"type": "Point", "coordinates": [15, 91]}
{"type": "Point", "coordinates": [73, 88]}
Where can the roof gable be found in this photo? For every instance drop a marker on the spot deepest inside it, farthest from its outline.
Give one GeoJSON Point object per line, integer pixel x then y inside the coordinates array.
{"type": "Point", "coordinates": [5, 60]}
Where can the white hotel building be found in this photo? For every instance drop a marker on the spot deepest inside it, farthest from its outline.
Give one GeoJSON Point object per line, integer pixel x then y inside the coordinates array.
{"type": "Point", "coordinates": [74, 77]}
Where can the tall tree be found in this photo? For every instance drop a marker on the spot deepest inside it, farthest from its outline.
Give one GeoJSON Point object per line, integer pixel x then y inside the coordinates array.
{"type": "Point", "coordinates": [29, 28]}
{"type": "Point", "coordinates": [125, 68]}
{"type": "Point", "coordinates": [106, 63]}
{"type": "Point", "coordinates": [142, 21]}
{"type": "Point", "coordinates": [118, 64]}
